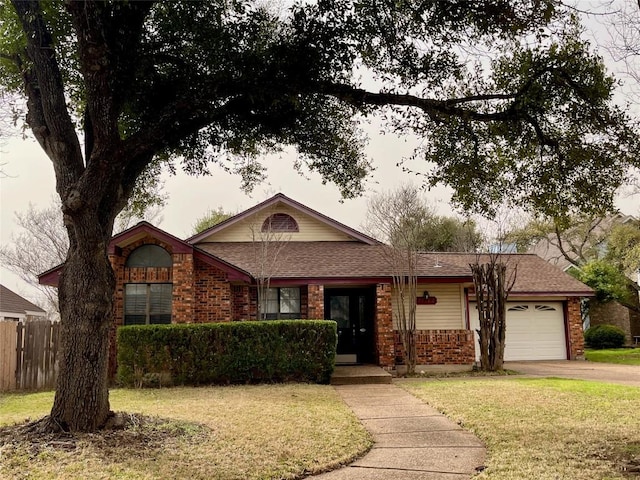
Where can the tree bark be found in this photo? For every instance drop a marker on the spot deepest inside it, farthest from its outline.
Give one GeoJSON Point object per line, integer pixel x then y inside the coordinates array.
{"type": "Point", "coordinates": [492, 291]}
{"type": "Point", "coordinates": [86, 299]}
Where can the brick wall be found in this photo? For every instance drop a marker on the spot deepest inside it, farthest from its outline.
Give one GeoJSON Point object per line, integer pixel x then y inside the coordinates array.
{"type": "Point", "coordinates": [241, 302]}
{"type": "Point", "coordinates": [440, 347]}
{"type": "Point", "coordinates": [574, 326]}
{"type": "Point", "coordinates": [183, 289]}
{"type": "Point", "coordinates": [315, 302]}
{"type": "Point", "coordinates": [383, 327]}
{"type": "Point", "coordinates": [212, 295]}
{"type": "Point", "coordinates": [613, 313]}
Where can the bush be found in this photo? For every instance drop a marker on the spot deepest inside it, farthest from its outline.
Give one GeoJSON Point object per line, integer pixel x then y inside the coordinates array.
{"type": "Point", "coordinates": [224, 353]}
{"type": "Point", "coordinates": [604, 336]}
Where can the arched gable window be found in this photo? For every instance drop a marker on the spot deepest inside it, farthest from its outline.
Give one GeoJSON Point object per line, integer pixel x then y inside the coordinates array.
{"type": "Point", "coordinates": [149, 256]}
{"type": "Point", "coordinates": [280, 222]}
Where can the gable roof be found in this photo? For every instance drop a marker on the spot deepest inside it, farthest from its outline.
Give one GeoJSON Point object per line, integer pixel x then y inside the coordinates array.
{"type": "Point", "coordinates": [144, 229]}
{"type": "Point", "coordinates": [280, 198]}
{"type": "Point", "coordinates": [11, 302]}
{"type": "Point", "coordinates": [534, 275]}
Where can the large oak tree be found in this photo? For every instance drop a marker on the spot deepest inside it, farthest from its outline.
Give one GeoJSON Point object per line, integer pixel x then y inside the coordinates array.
{"type": "Point", "coordinates": [507, 97]}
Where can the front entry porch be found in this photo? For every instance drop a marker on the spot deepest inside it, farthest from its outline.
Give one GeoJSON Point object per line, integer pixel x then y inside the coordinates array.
{"type": "Point", "coordinates": [359, 375]}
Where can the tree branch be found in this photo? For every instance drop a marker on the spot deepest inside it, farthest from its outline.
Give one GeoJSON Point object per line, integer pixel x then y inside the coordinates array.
{"type": "Point", "coordinates": [433, 108]}
{"type": "Point", "coordinates": [48, 116]}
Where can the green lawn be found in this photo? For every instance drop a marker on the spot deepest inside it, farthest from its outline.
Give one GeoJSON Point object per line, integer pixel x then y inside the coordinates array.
{"type": "Point", "coordinates": [244, 432]}
{"type": "Point", "coordinates": [625, 356]}
{"type": "Point", "coordinates": [544, 428]}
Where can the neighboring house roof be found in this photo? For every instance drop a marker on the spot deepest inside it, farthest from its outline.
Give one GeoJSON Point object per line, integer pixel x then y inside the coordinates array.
{"type": "Point", "coordinates": [277, 199]}
{"type": "Point", "coordinates": [534, 275]}
{"type": "Point", "coordinates": [12, 303]}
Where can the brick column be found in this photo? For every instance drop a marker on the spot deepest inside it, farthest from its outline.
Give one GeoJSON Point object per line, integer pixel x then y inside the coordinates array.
{"type": "Point", "coordinates": [574, 329]}
{"type": "Point", "coordinates": [183, 293]}
{"type": "Point", "coordinates": [383, 327]}
{"type": "Point", "coordinates": [315, 302]}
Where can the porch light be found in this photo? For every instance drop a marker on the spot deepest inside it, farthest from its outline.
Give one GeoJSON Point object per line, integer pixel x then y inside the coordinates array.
{"type": "Point", "coordinates": [425, 295]}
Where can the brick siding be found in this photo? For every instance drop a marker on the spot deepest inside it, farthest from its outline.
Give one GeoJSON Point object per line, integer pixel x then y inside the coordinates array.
{"type": "Point", "coordinates": [212, 295]}
{"type": "Point", "coordinates": [614, 313]}
{"type": "Point", "coordinates": [574, 326]}
{"type": "Point", "coordinates": [440, 347]}
{"type": "Point", "coordinates": [383, 327]}
{"type": "Point", "coordinates": [315, 302]}
{"type": "Point", "coordinates": [183, 289]}
{"type": "Point", "coordinates": [241, 305]}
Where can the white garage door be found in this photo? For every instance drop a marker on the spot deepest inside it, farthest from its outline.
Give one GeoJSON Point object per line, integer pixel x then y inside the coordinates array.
{"type": "Point", "coordinates": [535, 331]}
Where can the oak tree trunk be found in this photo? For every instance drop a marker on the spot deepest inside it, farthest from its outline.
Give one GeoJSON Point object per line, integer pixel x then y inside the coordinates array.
{"type": "Point", "coordinates": [86, 289]}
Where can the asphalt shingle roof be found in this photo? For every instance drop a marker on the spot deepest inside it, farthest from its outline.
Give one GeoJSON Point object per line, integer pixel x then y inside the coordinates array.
{"type": "Point", "coordinates": [326, 260]}
{"type": "Point", "coordinates": [534, 274]}
{"type": "Point", "coordinates": [11, 302]}
{"type": "Point", "coordinates": [357, 260]}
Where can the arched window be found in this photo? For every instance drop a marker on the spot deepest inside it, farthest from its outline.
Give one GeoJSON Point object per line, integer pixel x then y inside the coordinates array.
{"type": "Point", "coordinates": [149, 256]}
{"type": "Point", "coordinates": [280, 222]}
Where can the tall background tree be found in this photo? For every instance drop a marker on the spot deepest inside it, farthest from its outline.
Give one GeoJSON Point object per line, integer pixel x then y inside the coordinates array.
{"type": "Point", "coordinates": [42, 242]}
{"type": "Point", "coordinates": [398, 218]}
{"type": "Point", "coordinates": [211, 218]}
{"type": "Point", "coordinates": [603, 250]}
{"type": "Point", "coordinates": [112, 87]}
{"type": "Point", "coordinates": [269, 252]}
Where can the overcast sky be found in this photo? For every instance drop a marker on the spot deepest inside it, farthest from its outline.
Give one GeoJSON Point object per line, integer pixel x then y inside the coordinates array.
{"type": "Point", "coordinates": [29, 178]}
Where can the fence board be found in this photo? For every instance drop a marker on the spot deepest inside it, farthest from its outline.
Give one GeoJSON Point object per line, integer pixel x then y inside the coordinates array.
{"type": "Point", "coordinates": [8, 357]}
{"type": "Point", "coordinates": [29, 354]}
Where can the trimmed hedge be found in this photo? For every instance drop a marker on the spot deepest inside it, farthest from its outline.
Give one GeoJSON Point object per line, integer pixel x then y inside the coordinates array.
{"type": "Point", "coordinates": [225, 353]}
{"type": "Point", "coordinates": [599, 337]}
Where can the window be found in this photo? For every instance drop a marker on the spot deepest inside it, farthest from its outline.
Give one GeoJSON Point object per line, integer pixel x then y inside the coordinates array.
{"type": "Point", "coordinates": [149, 256]}
{"type": "Point", "coordinates": [280, 222]}
{"type": "Point", "coordinates": [147, 303]}
{"type": "Point", "coordinates": [519, 308]}
{"type": "Point", "coordinates": [545, 308]}
{"type": "Point", "coordinates": [282, 303]}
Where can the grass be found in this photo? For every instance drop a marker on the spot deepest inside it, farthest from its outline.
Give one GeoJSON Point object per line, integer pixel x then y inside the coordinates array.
{"type": "Point", "coordinates": [245, 432]}
{"type": "Point", "coordinates": [623, 356]}
{"type": "Point", "coordinates": [544, 428]}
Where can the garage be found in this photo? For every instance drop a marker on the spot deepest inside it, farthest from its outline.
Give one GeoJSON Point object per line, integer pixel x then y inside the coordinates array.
{"type": "Point", "coordinates": [535, 331]}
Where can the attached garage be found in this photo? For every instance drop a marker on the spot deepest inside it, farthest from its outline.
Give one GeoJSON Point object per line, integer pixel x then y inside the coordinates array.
{"type": "Point", "coordinates": [535, 331]}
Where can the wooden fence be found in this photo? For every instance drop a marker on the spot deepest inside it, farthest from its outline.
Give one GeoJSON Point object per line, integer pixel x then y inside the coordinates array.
{"type": "Point", "coordinates": [29, 354]}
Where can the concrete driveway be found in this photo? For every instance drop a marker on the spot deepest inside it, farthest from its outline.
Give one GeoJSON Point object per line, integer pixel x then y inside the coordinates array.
{"type": "Point", "coordinates": [601, 372]}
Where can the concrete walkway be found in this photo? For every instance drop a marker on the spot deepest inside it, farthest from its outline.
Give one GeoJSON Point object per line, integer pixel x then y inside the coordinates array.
{"type": "Point", "coordinates": [412, 440]}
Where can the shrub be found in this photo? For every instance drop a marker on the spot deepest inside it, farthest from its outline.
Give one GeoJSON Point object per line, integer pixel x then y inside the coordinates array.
{"type": "Point", "coordinates": [604, 336]}
{"type": "Point", "coordinates": [223, 353]}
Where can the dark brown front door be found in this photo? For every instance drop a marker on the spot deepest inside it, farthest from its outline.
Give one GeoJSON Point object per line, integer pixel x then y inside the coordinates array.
{"type": "Point", "coordinates": [352, 309]}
